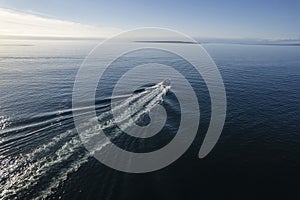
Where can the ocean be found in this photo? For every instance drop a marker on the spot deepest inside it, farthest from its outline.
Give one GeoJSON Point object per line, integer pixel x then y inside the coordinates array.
{"type": "Point", "coordinates": [42, 156]}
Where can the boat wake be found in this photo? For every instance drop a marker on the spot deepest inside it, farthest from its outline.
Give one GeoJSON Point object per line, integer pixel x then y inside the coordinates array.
{"type": "Point", "coordinates": [38, 157]}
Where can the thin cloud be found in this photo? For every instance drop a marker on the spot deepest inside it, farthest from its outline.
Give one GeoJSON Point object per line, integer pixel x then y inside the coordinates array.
{"type": "Point", "coordinates": [16, 23]}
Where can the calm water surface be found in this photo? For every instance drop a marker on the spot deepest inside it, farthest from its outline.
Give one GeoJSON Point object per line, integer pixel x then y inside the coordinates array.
{"type": "Point", "coordinates": [41, 156]}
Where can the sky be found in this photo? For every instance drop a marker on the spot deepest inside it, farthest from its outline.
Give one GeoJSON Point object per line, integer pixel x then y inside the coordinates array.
{"type": "Point", "coordinates": [265, 19]}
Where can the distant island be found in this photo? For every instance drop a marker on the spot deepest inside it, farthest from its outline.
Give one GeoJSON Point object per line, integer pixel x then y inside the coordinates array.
{"type": "Point", "coordinates": [166, 41]}
{"type": "Point", "coordinates": [228, 41]}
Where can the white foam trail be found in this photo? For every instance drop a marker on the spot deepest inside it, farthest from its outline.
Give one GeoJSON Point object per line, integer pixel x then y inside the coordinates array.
{"type": "Point", "coordinates": [31, 171]}
{"type": "Point", "coordinates": [12, 164]}
{"type": "Point", "coordinates": [4, 122]}
{"type": "Point", "coordinates": [63, 174]}
{"type": "Point", "coordinates": [141, 103]}
{"type": "Point", "coordinates": [24, 171]}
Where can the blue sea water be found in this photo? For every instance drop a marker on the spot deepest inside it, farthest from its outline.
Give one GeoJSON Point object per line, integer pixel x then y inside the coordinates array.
{"type": "Point", "coordinates": [41, 155]}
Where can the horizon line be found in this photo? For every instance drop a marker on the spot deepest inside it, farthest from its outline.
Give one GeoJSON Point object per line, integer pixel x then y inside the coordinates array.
{"type": "Point", "coordinates": [155, 39]}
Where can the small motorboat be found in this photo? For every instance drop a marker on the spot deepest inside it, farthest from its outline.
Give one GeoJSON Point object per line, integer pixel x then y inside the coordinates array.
{"type": "Point", "coordinates": [166, 82]}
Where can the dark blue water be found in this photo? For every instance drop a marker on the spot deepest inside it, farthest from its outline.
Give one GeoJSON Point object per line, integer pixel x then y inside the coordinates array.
{"type": "Point", "coordinates": [257, 156]}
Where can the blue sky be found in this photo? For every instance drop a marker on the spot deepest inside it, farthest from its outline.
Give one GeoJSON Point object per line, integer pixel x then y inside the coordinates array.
{"type": "Point", "coordinates": [216, 19]}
